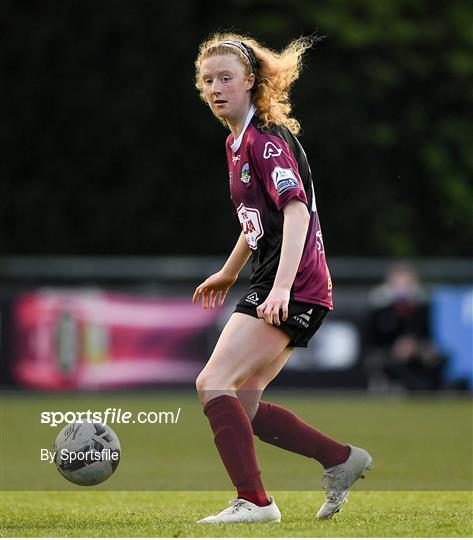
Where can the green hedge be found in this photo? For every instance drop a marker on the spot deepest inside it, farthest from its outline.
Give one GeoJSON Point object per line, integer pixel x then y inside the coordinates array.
{"type": "Point", "coordinates": [108, 149]}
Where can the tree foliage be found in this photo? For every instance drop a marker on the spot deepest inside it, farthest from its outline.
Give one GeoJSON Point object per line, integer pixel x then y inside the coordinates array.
{"type": "Point", "coordinates": [108, 149]}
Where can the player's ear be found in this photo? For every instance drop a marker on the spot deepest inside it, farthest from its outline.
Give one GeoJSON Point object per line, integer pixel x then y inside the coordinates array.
{"type": "Point", "coordinates": [250, 81]}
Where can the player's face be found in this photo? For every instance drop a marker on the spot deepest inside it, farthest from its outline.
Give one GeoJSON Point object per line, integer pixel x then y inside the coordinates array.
{"type": "Point", "coordinates": [226, 86]}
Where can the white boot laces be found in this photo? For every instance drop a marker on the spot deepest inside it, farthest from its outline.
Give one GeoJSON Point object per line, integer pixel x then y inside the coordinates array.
{"type": "Point", "coordinates": [235, 505]}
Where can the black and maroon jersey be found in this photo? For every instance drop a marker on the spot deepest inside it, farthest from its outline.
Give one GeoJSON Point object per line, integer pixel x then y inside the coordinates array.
{"type": "Point", "coordinates": [267, 169]}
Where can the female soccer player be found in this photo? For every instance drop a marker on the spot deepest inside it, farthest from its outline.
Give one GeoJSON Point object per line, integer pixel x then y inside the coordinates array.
{"type": "Point", "coordinates": [247, 87]}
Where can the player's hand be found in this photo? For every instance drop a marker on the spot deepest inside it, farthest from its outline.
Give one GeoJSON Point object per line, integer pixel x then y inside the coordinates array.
{"type": "Point", "coordinates": [277, 300]}
{"type": "Point", "coordinates": [216, 285]}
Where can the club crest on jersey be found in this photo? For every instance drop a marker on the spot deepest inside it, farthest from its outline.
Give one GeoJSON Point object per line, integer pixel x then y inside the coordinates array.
{"type": "Point", "coordinates": [245, 174]}
{"type": "Point", "coordinates": [284, 179]}
{"type": "Point", "coordinates": [271, 150]}
{"type": "Point", "coordinates": [250, 221]}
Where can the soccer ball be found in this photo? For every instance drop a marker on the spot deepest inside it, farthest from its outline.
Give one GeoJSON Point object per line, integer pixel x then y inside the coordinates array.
{"type": "Point", "coordinates": [87, 453]}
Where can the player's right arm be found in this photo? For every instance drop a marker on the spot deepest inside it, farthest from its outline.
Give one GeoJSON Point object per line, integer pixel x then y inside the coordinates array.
{"type": "Point", "coordinates": [221, 281]}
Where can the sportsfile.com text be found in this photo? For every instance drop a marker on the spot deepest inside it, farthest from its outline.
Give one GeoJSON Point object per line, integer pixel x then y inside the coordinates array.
{"type": "Point", "coordinates": [111, 415]}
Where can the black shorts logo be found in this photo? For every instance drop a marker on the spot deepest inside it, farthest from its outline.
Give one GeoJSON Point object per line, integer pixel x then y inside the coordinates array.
{"type": "Point", "coordinates": [253, 299]}
{"type": "Point", "coordinates": [303, 318]}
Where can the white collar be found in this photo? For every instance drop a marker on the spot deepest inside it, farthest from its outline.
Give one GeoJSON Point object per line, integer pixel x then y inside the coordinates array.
{"type": "Point", "coordinates": [236, 144]}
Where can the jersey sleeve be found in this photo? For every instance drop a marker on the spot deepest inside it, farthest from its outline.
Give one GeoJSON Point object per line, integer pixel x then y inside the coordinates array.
{"type": "Point", "coordinates": [277, 167]}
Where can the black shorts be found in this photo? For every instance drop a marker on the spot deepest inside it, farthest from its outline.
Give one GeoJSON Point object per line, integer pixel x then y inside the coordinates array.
{"type": "Point", "coordinates": [303, 319]}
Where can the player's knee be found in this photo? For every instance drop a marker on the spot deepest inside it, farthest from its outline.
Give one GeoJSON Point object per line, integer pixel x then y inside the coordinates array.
{"type": "Point", "coordinates": [201, 382]}
{"type": "Point", "coordinates": [209, 383]}
{"type": "Point", "coordinates": [205, 382]}
{"type": "Point", "coordinates": [255, 383]}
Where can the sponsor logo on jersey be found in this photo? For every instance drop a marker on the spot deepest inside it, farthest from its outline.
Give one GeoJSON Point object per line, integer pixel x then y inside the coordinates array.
{"type": "Point", "coordinates": [235, 158]}
{"type": "Point", "coordinates": [250, 221]}
{"type": "Point", "coordinates": [271, 150]}
{"type": "Point", "coordinates": [303, 318]}
{"type": "Point", "coordinates": [245, 174]}
{"type": "Point", "coordinates": [284, 179]}
{"type": "Point", "coordinates": [252, 298]}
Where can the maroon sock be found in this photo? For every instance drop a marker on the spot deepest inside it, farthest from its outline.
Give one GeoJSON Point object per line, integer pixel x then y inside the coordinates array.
{"type": "Point", "coordinates": [233, 437]}
{"type": "Point", "coordinates": [279, 426]}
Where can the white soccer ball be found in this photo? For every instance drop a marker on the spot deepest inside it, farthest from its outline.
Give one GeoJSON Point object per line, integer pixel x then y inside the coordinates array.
{"type": "Point", "coordinates": [87, 453]}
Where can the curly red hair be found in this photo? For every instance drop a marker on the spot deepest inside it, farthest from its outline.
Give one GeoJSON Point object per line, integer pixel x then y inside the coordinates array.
{"type": "Point", "coordinates": [274, 75]}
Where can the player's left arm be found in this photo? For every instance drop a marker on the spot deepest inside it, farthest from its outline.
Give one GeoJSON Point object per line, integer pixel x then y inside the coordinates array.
{"type": "Point", "coordinates": [296, 222]}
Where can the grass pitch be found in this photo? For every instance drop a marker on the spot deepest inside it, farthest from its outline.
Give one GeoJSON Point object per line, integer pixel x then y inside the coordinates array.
{"type": "Point", "coordinates": [420, 485]}
{"type": "Point", "coordinates": [173, 514]}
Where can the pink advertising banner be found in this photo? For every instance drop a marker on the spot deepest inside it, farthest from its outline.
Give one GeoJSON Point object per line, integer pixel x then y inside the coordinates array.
{"type": "Point", "coordinates": [86, 340]}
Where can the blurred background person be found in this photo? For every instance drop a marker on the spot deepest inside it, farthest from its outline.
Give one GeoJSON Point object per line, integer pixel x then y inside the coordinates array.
{"type": "Point", "coordinates": [401, 352]}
